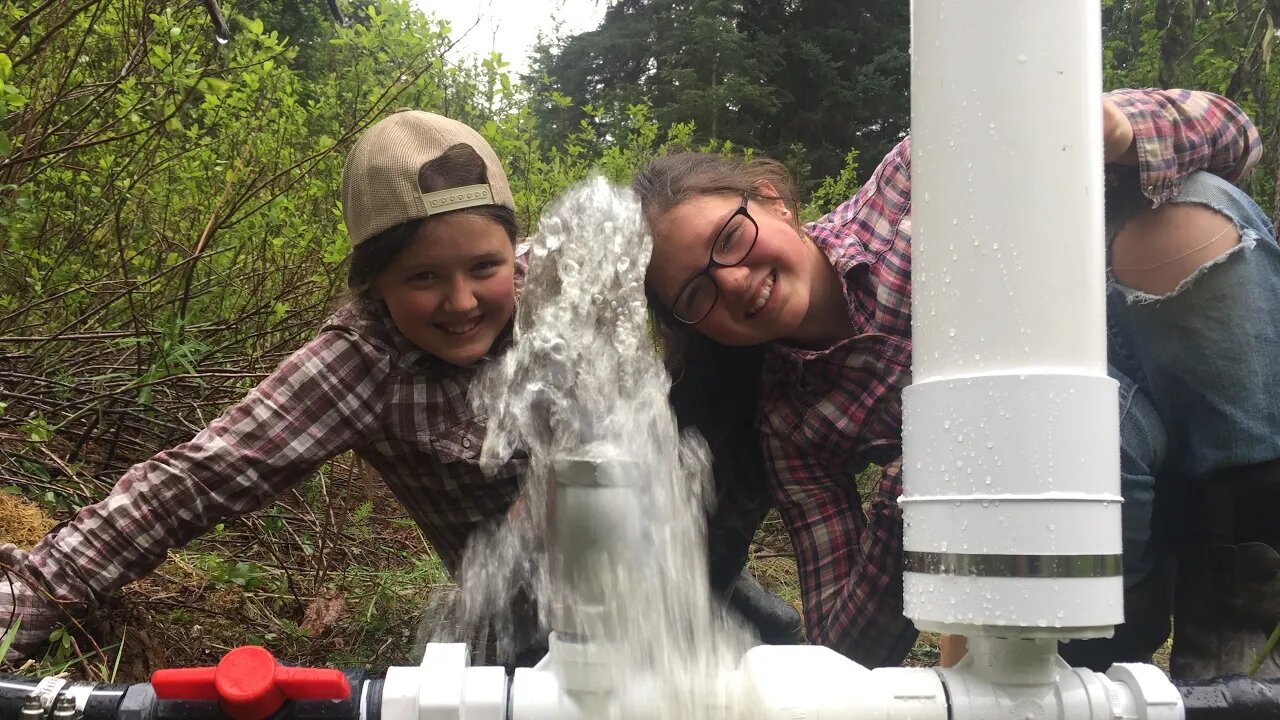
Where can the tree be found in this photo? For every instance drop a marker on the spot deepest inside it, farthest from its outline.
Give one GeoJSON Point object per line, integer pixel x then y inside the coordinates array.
{"type": "Point", "coordinates": [687, 58]}
{"type": "Point", "coordinates": [804, 81]}
{"type": "Point", "coordinates": [843, 77]}
{"type": "Point", "coordinates": [1224, 46]}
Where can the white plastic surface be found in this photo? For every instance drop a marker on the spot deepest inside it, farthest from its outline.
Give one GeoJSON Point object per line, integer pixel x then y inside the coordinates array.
{"type": "Point", "coordinates": [1006, 176]}
{"type": "Point", "coordinates": [444, 667]}
{"type": "Point", "coordinates": [1019, 679]}
{"type": "Point", "coordinates": [484, 694]}
{"type": "Point", "coordinates": [443, 687]}
{"type": "Point", "coordinates": [536, 694]}
{"type": "Point", "coordinates": [785, 682]}
{"type": "Point", "coordinates": [581, 667]}
{"type": "Point", "coordinates": [1153, 696]}
{"type": "Point", "coordinates": [1010, 430]}
{"type": "Point", "coordinates": [1007, 607]}
{"type": "Point", "coordinates": [400, 693]}
{"type": "Point", "coordinates": [1013, 679]}
{"type": "Point", "coordinates": [1013, 465]}
{"type": "Point", "coordinates": [1019, 434]}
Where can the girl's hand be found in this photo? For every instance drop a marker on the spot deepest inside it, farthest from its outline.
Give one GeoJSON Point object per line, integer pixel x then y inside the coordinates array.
{"type": "Point", "coordinates": [1117, 135]}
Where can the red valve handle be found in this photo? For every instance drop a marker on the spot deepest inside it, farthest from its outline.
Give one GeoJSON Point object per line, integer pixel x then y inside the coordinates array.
{"type": "Point", "coordinates": [250, 684]}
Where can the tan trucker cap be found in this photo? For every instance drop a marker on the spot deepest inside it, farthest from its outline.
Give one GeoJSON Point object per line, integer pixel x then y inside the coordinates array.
{"type": "Point", "coordinates": [380, 177]}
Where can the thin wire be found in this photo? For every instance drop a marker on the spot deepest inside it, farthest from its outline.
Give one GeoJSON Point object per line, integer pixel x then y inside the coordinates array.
{"type": "Point", "coordinates": [1193, 250]}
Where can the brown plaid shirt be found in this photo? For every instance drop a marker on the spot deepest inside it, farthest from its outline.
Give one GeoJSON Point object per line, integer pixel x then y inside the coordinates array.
{"type": "Point", "coordinates": [359, 385]}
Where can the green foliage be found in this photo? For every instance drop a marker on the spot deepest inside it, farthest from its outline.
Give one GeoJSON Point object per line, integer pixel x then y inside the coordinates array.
{"type": "Point", "coordinates": [1267, 649]}
{"type": "Point", "coordinates": [36, 429]}
{"type": "Point", "coordinates": [10, 98]}
{"type": "Point", "coordinates": [60, 646]}
{"type": "Point", "coordinates": [359, 520]}
{"type": "Point", "coordinates": [170, 225]}
{"type": "Point", "coordinates": [64, 654]}
{"type": "Point", "coordinates": [380, 592]}
{"type": "Point", "coordinates": [1224, 47]}
{"type": "Point", "coordinates": [247, 575]}
{"type": "Point", "coordinates": [833, 190]}
{"type": "Point", "coordinates": [803, 81]}
{"type": "Point", "coordinates": [7, 641]}
{"type": "Point", "coordinates": [169, 217]}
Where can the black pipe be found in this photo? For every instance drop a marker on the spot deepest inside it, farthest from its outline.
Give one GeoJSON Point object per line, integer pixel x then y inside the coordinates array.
{"type": "Point", "coordinates": [14, 691]}
{"type": "Point", "coordinates": [104, 701]}
{"type": "Point", "coordinates": [139, 702]}
{"type": "Point", "coordinates": [1232, 697]}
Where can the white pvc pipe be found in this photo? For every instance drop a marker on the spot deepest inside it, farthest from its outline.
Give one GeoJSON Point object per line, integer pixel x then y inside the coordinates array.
{"type": "Point", "coordinates": [1010, 441]}
{"type": "Point", "coordinates": [998, 679]}
{"type": "Point", "coordinates": [1006, 187]}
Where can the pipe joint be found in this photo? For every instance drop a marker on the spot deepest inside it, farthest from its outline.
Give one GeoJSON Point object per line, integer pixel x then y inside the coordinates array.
{"type": "Point", "coordinates": [1025, 678]}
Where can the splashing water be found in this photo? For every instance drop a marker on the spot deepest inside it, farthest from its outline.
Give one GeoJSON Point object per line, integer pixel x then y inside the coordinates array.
{"type": "Point", "coordinates": [582, 381]}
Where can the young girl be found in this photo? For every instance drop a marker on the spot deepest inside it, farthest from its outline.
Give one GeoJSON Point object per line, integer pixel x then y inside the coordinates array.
{"type": "Point", "coordinates": [435, 276]}
{"type": "Point", "coordinates": [434, 271]}
{"type": "Point", "coordinates": [828, 306]}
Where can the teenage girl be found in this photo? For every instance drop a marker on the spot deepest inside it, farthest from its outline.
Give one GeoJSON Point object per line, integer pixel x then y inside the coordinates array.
{"type": "Point", "coordinates": [433, 276]}
{"type": "Point", "coordinates": [1195, 273]}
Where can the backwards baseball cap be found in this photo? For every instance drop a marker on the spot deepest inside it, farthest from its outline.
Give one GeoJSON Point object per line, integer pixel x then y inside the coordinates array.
{"type": "Point", "coordinates": [380, 187]}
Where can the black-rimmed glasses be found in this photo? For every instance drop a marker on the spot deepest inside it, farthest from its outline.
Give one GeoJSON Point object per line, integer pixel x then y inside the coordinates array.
{"type": "Point", "coordinates": [732, 245]}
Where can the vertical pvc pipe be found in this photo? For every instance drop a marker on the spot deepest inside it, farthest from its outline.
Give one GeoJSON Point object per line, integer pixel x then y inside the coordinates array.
{"type": "Point", "coordinates": [1011, 434]}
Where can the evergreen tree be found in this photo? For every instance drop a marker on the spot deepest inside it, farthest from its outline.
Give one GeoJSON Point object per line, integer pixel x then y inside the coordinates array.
{"type": "Point", "coordinates": [805, 81]}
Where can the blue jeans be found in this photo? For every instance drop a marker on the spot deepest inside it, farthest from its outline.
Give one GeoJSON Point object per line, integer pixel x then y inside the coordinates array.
{"type": "Point", "coordinates": [1199, 367]}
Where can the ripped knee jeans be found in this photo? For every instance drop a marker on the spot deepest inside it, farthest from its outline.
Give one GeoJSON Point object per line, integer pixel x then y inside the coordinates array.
{"type": "Point", "coordinates": [1198, 367]}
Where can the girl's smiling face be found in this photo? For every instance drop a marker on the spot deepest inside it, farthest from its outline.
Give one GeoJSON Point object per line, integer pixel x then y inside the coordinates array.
{"type": "Point", "coordinates": [451, 291]}
{"type": "Point", "coordinates": [763, 298]}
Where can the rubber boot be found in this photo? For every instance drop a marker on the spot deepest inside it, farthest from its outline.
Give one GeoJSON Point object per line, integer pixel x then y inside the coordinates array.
{"type": "Point", "coordinates": [1147, 606]}
{"type": "Point", "coordinates": [1228, 605]}
{"type": "Point", "coordinates": [1227, 601]}
{"type": "Point", "coordinates": [775, 620]}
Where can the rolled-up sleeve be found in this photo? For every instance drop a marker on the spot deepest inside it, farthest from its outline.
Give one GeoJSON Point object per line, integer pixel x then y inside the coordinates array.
{"type": "Point", "coordinates": [1177, 132]}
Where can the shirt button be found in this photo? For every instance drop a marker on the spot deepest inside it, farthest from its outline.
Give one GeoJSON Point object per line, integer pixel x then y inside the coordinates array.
{"type": "Point", "coordinates": [466, 442]}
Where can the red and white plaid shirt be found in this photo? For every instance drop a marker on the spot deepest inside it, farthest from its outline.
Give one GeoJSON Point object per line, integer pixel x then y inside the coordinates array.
{"type": "Point", "coordinates": [826, 414]}
{"type": "Point", "coordinates": [359, 385]}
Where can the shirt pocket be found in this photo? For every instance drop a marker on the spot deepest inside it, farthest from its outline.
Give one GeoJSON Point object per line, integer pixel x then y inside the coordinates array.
{"type": "Point", "coordinates": [461, 442]}
{"type": "Point", "coordinates": [849, 397]}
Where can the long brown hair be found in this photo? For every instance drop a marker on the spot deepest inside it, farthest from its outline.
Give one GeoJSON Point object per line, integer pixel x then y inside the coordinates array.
{"type": "Point", "coordinates": [715, 387]}
{"type": "Point", "coordinates": [670, 180]}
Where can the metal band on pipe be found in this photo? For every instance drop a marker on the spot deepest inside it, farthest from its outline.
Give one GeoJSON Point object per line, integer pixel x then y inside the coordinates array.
{"type": "Point", "coordinates": [1013, 566]}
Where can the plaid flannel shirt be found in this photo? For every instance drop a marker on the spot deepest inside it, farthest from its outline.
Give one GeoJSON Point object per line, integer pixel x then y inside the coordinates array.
{"type": "Point", "coordinates": [826, 414]}
{"type": "Point", "coordinates": [359, 385]}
